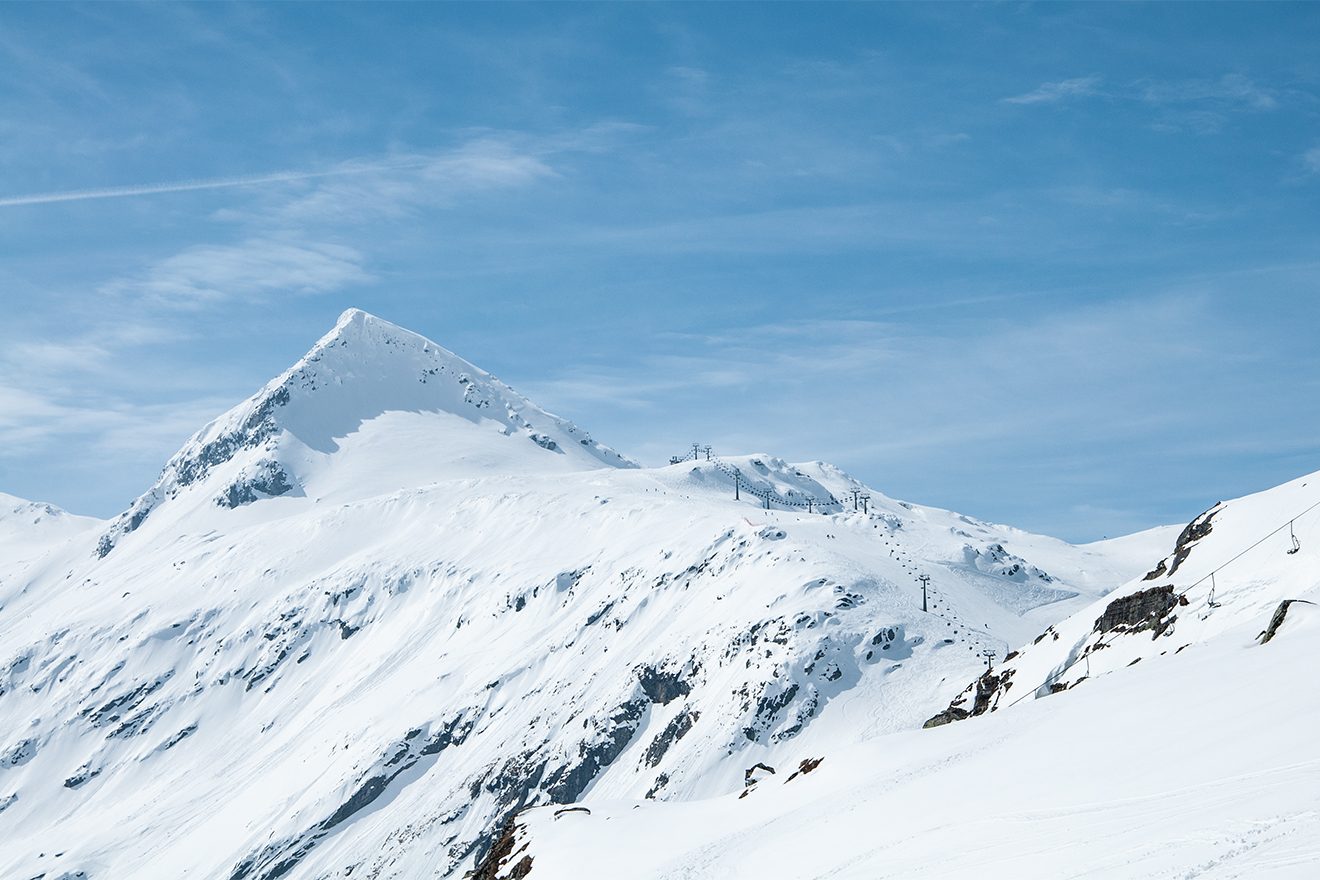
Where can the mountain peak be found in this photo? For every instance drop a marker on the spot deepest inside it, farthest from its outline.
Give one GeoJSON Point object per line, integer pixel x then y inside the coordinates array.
{"type": "Point", "coordinates": [356, 322]}
{"type": "Point", "coordinates": [370, 408]}
{"type": "Point", "coordinates": [354, 314]}
{"type": "Point", "coordinates": [357, 326]}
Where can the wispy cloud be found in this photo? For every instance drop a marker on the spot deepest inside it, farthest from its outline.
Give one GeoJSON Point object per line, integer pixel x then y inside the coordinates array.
{"type": "Point", "coordinates": [31, 419]}
{"type": "Point", "coordinates": [1311, 160]}
{"type": "Point", "coordinates": [1198, 104]}
{"type": "Point", "coordinates": [480, 165]}
{"type": "Point", "coordinates": [1054, 92]}
{"type": "Point", "coordinates": [284, 253]}
{"type": "Point", "coordinates": [255, 267]}
{"type": "Point", "coordinates": [1233, 89]}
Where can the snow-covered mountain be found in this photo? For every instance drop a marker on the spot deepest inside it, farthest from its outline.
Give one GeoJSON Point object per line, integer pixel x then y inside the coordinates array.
{"type": "Point", "coordinates": [1166, 730]}
{"type": "Point", "coordinates": [372, 408]}
{"type": "Point", "coordinates": [30, 529]}
{"type": "Point", "coordinates": [373, 611]}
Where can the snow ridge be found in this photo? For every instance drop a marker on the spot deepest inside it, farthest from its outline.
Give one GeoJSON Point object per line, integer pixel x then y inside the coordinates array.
{"type": "Point", "coordinates": [362, 369]}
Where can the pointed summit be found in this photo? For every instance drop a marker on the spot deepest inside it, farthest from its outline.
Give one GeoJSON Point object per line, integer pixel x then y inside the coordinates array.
{"type": "Point", "coordinates": [371, 408]}
{"type": "Point", "coordinates": [355, 323]}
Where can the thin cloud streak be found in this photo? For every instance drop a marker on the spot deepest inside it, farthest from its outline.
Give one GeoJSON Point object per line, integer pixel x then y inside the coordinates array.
{"type": "Point", "coordinates": [118, 192]}
{"type": "Point", "coordinates": [1053, 92]}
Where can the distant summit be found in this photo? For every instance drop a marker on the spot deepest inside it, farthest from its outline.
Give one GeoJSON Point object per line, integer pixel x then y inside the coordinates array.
{"type": "Point", "coordinates": [28, 528]}
{"type": "Point", "coordinates": [370, 408]}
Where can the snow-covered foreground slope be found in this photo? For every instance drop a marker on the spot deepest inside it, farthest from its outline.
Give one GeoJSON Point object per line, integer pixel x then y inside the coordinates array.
{"type": "Point", "coordinates": [1188, 750]}
{"type": "Point", "coordinates": [1232, 565]}
{"type": "Point", "coordinates": [385, 603]}
{"type": "Point", "coordinates": [1205, 766]}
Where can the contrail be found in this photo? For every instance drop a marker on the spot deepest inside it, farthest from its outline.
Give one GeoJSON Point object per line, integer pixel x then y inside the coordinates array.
{"type": "Point", "coordinates": [116, 192]}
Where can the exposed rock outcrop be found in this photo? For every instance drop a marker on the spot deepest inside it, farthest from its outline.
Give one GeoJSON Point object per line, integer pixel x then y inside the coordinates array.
{"type": "Point", "coordinates": [1149, 609]}
{"type": "Point", "coordinates": [1182, 548]}
{"type": "Point", "coordinates": [1276, 621]}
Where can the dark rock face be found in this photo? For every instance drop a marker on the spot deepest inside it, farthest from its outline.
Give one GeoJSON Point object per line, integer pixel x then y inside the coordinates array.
{"type": "Point", "coordinates": [122, 710]}
{"type": "Point", "coordinates": [184, 470]}
{"type": "Point", "coordinates": [254, 430]}
{"type": "Point", "coordinates": [567, 783]}
{"type": "Point", "coordinates": [768, 708]}
{"type": "Point", "coordinates": [528, 778]}
{"type": "Point", "coordinates": [179, 737]}
{"type": "Point", "coordinates": [19, 754]}
{"type": "Point", "coordinates": [660, 782]}
{"type": "Point", "coordinates": [1195, 531]}
{"type": "Point", "coordinates": [1280, 614]}
{"type": "Point", "coordinates": [269, 481]}
{"type": "Point", "coordinates": [489, 866]}
{"type": "Point", "coordinates": [949, 715]}
{"type": "Point", "coordinates": [660, 686]}
{"type": "Point", "coordinates": [1144, 610]}
{"type": "Point", "coordinates": [805, 767]}
{"type": "Point", "coordinates": [989, 688]}
{"type": "Point", "coordinates": [986, 687]}
{"type": "Point", "coordinates": [673, 732]}
{"type": "Point", "coordinates": [750, 774]}
{"type": "Point", "coordinates": [544, 441]}
{"type": "Point", "coordinates": [83, 776]}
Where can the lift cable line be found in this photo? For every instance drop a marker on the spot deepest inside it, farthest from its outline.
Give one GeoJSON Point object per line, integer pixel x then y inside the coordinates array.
{"type": "Point", "coordinates": [1211, 603]}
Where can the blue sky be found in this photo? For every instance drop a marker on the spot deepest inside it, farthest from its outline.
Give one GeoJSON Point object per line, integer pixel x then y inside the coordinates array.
{"type": "Point", "coordinates": [1049, 265]}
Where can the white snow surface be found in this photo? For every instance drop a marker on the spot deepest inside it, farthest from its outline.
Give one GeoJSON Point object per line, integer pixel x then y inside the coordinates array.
{"type": "Point", "coordinates": [372, 611]}
{"type": "Point", "coordinates": [29, 529]}
{"type": "Point", "coordinates": [1184, 749]}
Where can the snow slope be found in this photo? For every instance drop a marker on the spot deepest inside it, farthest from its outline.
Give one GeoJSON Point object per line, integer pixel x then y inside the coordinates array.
{"type": "Point", "coordinates": [374, 610]}
{"type": "Point", "coordinates": [1206, 766]}
{"type": "Point", "coordinates": [30, 531]}
{"type": "Point", "coordinates": [1231, 565]}
{"type": "Point", "coordinates": [1185, 747]}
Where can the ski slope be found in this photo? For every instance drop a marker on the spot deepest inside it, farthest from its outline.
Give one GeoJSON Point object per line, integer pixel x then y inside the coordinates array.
{"type": "Point", "coordinates": [1206, 765]}
{"type": "Point", "coordinates": [1130, 740]}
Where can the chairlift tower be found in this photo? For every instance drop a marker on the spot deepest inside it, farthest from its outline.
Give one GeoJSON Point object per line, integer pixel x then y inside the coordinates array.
{"type": "Point", "coordinates": [925, 583]}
